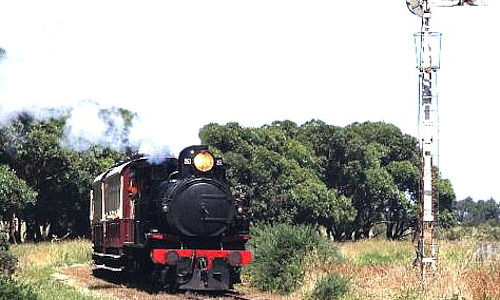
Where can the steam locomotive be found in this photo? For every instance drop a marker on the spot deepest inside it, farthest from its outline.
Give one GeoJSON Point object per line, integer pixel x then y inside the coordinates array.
{"type": "Point", "coordinates": [175, 223]}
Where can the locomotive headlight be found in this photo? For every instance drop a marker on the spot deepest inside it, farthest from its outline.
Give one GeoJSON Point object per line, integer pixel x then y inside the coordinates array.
{"type": "Point", "coordinates": [203, 161]}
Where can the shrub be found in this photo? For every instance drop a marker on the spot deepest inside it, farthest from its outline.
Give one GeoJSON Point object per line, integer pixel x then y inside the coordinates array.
{"type": "Point", "coordinates": [330, 287]}
{"type": "Point", "coordinates": [10, 290]}
{"type": "Point", "coordinates": [8, 262]}
{"type": "Point", "coordinates": [281, 254]}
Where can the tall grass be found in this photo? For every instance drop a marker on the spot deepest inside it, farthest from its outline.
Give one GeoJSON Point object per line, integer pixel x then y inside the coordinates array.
{"type": "Point", "coordinates": [38, 262]}
{"type": "Point", "coordinates": [378, 252]}
{"type": "Point", "coordinates": [53, 254]}
{"type": "Point", "coordinates": [458, 276]}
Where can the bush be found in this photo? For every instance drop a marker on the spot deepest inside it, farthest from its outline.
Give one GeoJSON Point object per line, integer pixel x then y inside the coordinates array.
{"type": "Point", "coordinates": [282, 253]}
{"type": "Point", "coordinates": [330, 287]}
{"type": "Point", "coordinates": [487, 232]}
{"type": "Point", "coordinates": [10, 290]}
{"type": "Point", "coordinates": [8, 262]}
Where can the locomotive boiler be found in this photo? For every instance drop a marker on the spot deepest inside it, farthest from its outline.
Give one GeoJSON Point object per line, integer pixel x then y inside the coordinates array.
{"type": "Point", "coordinates": [175, 223]}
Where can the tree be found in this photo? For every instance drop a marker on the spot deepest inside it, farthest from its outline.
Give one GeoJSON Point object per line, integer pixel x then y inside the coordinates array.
{"type": "Point", "coordinates": [491, 210]}
{"type": "Point", "coordinates": [61, 176]}
{"type": "Point", "coordinates": [446, 197]}
{"type": "Point", "coordinates": [279, 173]}
{"type": "Point", "coordinates": [15, 194]}
{"type": "Point", "coordinates": [401, 215]}
{"type": "Point", "coordinates": [346, 179]}
{"type": "Point", "coordinates": [464, 210]}
{"type": "Point", "coordinates": [377, 166]}
{"type": "Point", "coordinates": [470, 212]}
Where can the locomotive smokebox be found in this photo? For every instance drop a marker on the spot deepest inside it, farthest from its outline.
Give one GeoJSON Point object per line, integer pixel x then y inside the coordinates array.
{"type": "Point", "coordinates": [199, 207]}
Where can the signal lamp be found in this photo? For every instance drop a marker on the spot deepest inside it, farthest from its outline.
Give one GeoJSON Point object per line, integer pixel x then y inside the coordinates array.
{"type": "Point", "coordinates": [203, 161]}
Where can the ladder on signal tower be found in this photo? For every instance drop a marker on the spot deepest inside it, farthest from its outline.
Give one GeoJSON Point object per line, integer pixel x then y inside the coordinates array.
{"type": "Point", "coordinates": [428, 64]}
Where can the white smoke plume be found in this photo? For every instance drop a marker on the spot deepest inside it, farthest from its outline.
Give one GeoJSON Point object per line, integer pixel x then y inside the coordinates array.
{"type": "Point", "coordinates": [24, 89]}
{"type": "Point", "coordinates": [87, 126]}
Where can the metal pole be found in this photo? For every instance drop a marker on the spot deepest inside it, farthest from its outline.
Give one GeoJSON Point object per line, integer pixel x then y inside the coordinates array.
{"type": "Point", "coordinates": [427, 65]}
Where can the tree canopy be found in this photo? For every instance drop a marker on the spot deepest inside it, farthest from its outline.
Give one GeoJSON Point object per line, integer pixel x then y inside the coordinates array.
{"type": "Point", "coordinates": [15, 194]}
{"type": "Point", "coordinates": [50, 183]}
{"type": "Point", "coordinates": [470, 212]}
{"type": "Point", "coordinates": [345, 179]}
{"type": "Point", "coordinates": [348, 180]}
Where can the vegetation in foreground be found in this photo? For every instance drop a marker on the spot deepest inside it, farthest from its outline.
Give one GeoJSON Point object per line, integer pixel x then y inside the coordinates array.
{"type": "Point", "coordinates": [282, 255]}
{"type": "Point", "coordinates": [9, 288]}
{"type": "Point", "coordinates": [38, 262]}
{"type": "Point", "coordinates": [459, 275]}
{"type": "Point", "coordinates": [368, 269]}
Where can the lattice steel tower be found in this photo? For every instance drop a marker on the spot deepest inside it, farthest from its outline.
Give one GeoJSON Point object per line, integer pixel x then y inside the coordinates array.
{"type": "Point", "coordinates": [428, 52]}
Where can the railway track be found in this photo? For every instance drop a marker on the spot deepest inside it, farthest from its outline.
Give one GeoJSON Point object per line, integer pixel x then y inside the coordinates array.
{"type": "Point", "coordinates": [238, 296]}
{"type": "Point", "coordinates": [224, 296]}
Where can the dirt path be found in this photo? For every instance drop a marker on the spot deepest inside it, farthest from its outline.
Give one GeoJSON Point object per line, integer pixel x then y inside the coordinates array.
{"type": "Point", "coordinates": [80, 276]}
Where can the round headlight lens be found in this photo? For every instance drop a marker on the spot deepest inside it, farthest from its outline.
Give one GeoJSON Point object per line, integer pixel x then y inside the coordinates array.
{"type": "Point", "coordinates": [203, 161]}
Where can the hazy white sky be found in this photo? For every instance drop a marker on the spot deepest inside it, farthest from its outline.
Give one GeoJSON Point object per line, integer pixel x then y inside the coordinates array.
{"type": "Point", "coordinates": [183, 64]}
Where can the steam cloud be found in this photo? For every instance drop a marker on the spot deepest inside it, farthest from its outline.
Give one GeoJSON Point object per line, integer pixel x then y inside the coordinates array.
{"type": "Point", "coordinates": [85, 127]}
{"type": "Point", "coordinates": [24, 89]}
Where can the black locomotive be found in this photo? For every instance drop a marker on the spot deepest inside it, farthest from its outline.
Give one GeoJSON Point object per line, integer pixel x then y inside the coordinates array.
{"type": "Point", "coordinates": [175, 222]}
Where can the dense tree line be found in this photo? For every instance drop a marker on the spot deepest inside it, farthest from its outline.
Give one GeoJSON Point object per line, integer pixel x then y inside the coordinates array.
{"type": "Point", "coordinates": [345, 179]}
{"type": "Point", "coordinates": [470, 212]}
{"type": "Point", "coordinates": [45, 183]}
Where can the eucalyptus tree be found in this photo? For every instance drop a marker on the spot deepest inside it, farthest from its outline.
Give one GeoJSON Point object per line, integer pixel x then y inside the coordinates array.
{"type": "Point", "coordinates": [279, 173]}
{"type": "Point", "coordinates": [15, 193]}
{"type": "Point", "coordinates": [346, 179]}
{"type": "Point", "coordinates": [60, 176]}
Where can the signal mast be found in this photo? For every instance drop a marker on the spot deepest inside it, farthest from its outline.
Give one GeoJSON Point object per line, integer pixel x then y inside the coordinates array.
{"type": "Point", "coordinates": [428, 51]}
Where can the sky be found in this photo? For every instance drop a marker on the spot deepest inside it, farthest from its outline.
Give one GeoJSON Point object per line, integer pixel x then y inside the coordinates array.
{"type": "Point", "coordinates": [183, 64]}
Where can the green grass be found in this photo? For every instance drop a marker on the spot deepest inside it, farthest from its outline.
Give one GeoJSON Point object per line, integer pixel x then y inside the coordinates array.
{"type": "Point", "coordinates": [39, 261]}
{"type": "Point", "coordinates": [378, 252]}
{"type": "Point", "coordinates": [53, 254]}
{"type": "Point", "coordinates": [47, 288]}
